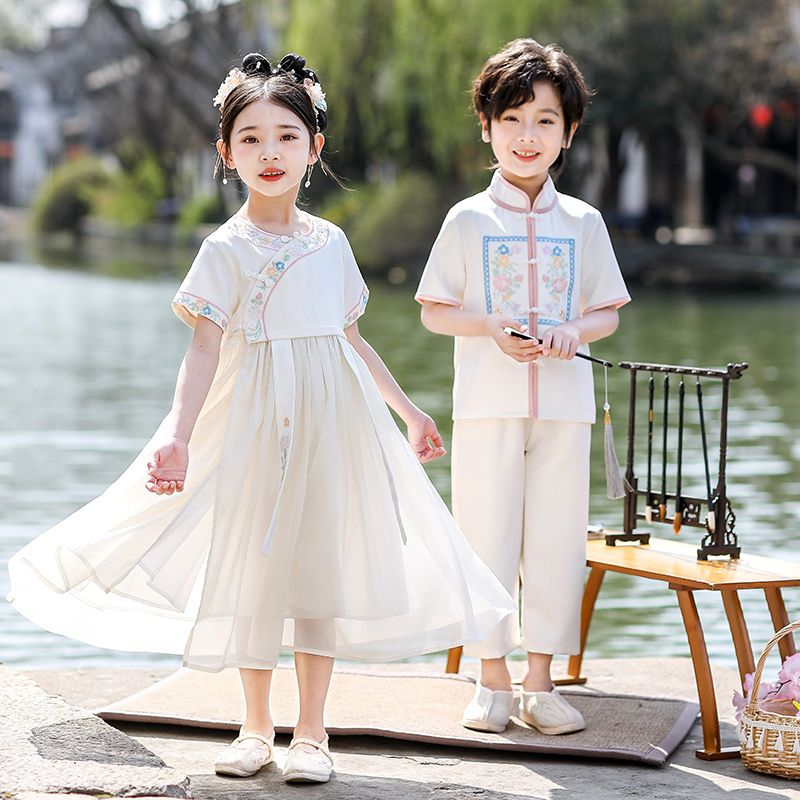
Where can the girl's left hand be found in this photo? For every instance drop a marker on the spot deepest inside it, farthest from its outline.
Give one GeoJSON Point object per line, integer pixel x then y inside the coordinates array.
{"type": "Point", "coordinates": [424, 438]}
{"type": "Point", "coordinates": [561, 341]}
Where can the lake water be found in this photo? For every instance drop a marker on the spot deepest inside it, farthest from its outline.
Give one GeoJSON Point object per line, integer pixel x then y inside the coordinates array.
{"type": "Point", "coordinates": [87, 370]}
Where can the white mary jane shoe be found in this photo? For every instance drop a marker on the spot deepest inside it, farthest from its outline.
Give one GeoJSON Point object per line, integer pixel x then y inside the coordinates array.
{"type": "Point", "coordinates": [245, 755]}
{"type": "Point", "coordinates": [489, 710]}
{"type": "Point", "coordinates": [301, 766]}
{"type": "Point", "coordinates": [550, 713]}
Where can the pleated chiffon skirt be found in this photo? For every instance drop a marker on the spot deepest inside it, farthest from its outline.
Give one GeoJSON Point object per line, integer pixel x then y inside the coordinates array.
{"type": "Point", "coordinates": [306, 523]}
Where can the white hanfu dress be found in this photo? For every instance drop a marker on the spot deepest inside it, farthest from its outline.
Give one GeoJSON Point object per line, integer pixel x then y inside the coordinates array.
{"type": "Point", "coordinates": [306, 522]}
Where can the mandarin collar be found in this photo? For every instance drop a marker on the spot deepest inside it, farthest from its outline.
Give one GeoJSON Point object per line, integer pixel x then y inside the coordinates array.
{"type": "Point", "coordinates": [506, 195]}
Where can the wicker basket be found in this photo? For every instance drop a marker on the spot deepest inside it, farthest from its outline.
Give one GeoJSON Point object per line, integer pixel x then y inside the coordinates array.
{"type": "Point", "coordinates": [770, 742]}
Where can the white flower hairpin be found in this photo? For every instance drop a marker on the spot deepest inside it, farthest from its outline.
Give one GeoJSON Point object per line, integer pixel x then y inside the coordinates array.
{"type": "Point", "coordinates": [316, 94]}
{"type": "Point", "coordinates": [232, 80]}
{"type": "Point", "coordinates": [236, 76]}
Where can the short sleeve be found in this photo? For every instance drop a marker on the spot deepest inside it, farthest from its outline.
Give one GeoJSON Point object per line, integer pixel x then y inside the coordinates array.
{"type": "Point", "coordinates": [444, 277]}
{"type": "Point", "coordinates": [356, 293]}
{"type": "Point", "coordinates": [209, 288]}
{"type": "Point", "coordinates": [602, 285]}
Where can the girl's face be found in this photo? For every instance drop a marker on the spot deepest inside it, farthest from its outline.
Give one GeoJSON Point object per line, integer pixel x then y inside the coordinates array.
{"type": "Point", "coordinates": [527, 140]}
{"type": "Point", "coordinates": [270, 148]}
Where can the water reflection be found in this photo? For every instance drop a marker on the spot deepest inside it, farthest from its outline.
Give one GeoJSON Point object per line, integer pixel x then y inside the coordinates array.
{"type": "Point", "coordinates": [87, 370]}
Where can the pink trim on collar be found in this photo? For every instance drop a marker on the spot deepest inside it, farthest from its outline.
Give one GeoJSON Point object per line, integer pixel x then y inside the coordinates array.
{"type": "Point", "coordinates": [506, 205]}
{"type": "Point", "coordinates": [508, 196]}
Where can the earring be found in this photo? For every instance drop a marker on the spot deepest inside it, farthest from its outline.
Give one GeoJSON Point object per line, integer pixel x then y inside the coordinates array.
{"type": "Point", "coordinates": [308, 176]}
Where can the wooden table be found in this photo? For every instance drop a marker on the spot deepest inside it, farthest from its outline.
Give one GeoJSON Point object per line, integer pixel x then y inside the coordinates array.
{"type": "Point", "coordinates": [676, 564]}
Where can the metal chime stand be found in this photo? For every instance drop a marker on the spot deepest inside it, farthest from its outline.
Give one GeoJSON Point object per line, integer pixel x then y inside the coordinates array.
{"type": "Point", "coordinates": [719, 521]}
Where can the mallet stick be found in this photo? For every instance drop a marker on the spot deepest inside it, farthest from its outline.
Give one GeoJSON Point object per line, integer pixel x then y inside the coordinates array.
{"type": "Point", "coordinates": [520, 335]}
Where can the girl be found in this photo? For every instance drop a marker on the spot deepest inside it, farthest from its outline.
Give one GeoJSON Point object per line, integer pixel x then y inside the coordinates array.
{"type": "Point", "coordinates": [521, 255]}
{"type": "Point", "coordinates": [285, 508]}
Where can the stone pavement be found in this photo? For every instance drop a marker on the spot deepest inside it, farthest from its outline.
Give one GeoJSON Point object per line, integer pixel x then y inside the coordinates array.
{"type": "Point", "coordinates": [366, 767]}
{"type": "Point", "coordinates": [48, 745]}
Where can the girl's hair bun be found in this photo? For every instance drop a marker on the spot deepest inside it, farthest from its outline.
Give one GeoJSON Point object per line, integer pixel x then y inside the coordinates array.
{"type": "Point", "coordinates": [295, 64]}
{"type": "Point", "coordinates": [291, 64]}
{"type": "Point", "coordinates": [256, 64]}
{"type": "Point", "coordinates": [292, 67]}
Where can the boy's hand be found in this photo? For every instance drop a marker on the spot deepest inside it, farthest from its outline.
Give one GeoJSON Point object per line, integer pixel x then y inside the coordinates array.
{"type": "Point", "coordinates": [167, 467]}
{"type": "Point", "coordinates": [523, 350]}
{"type": "Point", "coordinates": [424, 438]}
{"type": "Point", "coordinates": [561, 341]}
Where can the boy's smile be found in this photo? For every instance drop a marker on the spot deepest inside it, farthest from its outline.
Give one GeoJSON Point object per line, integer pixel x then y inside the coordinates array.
{"type": "Point", "coordinates": [526, 156]}
{"type": "Point", "coordinates": [527, 140]}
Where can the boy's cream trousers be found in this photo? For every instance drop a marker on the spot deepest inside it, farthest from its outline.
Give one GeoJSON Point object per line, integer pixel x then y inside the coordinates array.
{"type": "Point", "coordinates": [521, 496]}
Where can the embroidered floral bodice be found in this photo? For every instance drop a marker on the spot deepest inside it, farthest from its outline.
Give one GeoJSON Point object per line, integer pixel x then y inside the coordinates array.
{"type": "Point", "coordinates": [274, 286]}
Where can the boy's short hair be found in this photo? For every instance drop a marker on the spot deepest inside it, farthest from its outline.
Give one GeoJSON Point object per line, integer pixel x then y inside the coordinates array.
{"type": "Point", "coordinates": [506, 81]}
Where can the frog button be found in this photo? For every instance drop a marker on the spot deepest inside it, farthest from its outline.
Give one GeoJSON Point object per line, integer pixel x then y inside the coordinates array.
{"type": "Point", "coordinates": [284, 238]}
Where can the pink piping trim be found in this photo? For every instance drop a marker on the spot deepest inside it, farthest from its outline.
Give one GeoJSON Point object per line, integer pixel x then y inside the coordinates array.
{"type": "Point", "coordinates": [526, 208]}
{"type": "Point", "coordinates": [546, 208]}
{"type": "Point", "coordinates": [280, 277]}
{"type": "Point", "coordinates": [507, 206]}
{"type": "Point", "coordinates": [617, 303]}
{"type": "Point", "coordinates": [203, 300]}
{"type": "Point", "coordinates": [420, 297]}
{"type": "Point", "coordinates": [510, 186]}
{"type": "Point", "coordinates": [533, 297]}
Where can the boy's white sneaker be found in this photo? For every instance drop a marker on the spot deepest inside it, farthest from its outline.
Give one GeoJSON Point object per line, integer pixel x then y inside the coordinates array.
{"type": "Point", "coordinates": [550, 713]}
{"type": "Point", "coordinates": [489, 710]}
{"type": "Point", "coordinates": [245, 755]}
{"type": "Point", "coordinates": [304, 766]}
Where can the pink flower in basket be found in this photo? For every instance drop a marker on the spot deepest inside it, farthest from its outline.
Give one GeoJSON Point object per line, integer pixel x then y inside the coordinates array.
{"type": "Point", "coordinates": [790, 673]}
{"type": "Point", "coordinates": [782, 697]}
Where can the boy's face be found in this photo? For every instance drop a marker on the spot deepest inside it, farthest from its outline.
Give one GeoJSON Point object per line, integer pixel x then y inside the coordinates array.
{"type": "Point", "coordinates": [270, 148]}
{"type": "Point", "coordinates": [527, 140]}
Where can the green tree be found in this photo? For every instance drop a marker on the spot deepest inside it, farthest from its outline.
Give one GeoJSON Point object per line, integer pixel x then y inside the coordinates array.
{"type": "Point", "coordinates": [132, 196]}
{"type": "Point", "coordinates": [65, 198]}
{"type": "Point", "coordinates": [347, 44]}
{"type": "Point", "coordinates": [696, 63]}
{"type": "Point", "coordinates": [434, 57]}
{"type": "Point", "coordinates": [399, 72]}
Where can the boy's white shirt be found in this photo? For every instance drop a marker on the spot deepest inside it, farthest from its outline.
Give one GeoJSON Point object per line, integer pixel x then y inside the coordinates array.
{"type": "Point", "coordinates": [541, 265]}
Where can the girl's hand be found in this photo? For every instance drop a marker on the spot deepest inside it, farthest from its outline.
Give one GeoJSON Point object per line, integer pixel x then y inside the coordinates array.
{"type": "Point", "coordinates": [561, 341]}
{"type": "Point", "coordinates": [523, 350]}
{"type": "Point", "coordinates": [167, 468]}
{"type": "Point", "coordinates": [424, 438]}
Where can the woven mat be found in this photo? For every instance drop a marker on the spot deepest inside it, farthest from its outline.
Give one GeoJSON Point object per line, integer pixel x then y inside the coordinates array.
{"type": "Point", "coordinates": [416, 707]}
